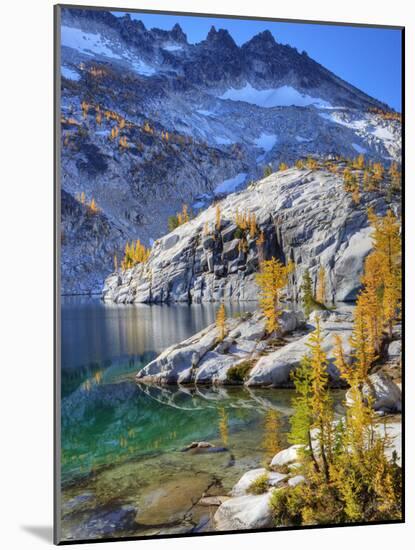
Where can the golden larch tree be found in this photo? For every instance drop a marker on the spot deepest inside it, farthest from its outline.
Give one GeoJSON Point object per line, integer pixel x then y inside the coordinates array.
{"type": "Point", "coordinates": [321, 285]}
{"type": "Point", "coordinates": [271, 279]}
{"type": "Point", "coordinates": [221, 322]}
{"type": "Point", "coordinates": [217, 217]}
{"type": "Point", "coordinates": [252, 226]}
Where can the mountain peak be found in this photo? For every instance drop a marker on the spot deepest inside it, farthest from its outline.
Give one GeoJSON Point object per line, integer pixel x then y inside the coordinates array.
{"type": "Point", "coordinates": [212, 33]}
{"type": "Point", "coordinates": [178, 34]}
{"type": "Point", "coordinates": [221, 37]}
{"type": "Point", "coordinates": [262, 39]}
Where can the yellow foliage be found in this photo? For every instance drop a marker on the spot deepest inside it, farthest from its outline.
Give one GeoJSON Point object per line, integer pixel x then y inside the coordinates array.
{"type": "Point", "coordinates": [147, 128]}
{"type": "Point", "coordinates": [92, 207]}
{"type": "Point", "coordinates": [114, 132]}
{"type": "Point", "coordinates": [221, 322]}
{"type": "Point", "coordinates": [223, 426]}
{"type": "Point", "coordinates": [359, 162]}
{"type": "Point", "coordinates": [217, 217]}
{"type": "Point", "coordinates": [387, 244]}
{"type": "Point", "coordinates": [368, 181]}
{"type": "Point", "coordinates": [312, 164]}
{"type": "Point", "coordinates": [395, 176]}
{"type": "Point", "coordinates": [252, 225]}
{"type": "Point", "coordinates": [283, 167]}
{"type": "Point", "coordinates": [261, 239]}
{"type": "Point", "coordinates": [134, 253]}
{"type": "Point", "coordinates": [85, 108]}
{"type": "Point", "coordinates": [123, 142]}
{"type": "Point", "coordinates": [271, 279]}
{"type": "Point", "coordinates": [321, 286]}
{"type": "Point", "coordinates": [183, 216]}
{"type": "Point", "coordinates": [378, 172]}
{"type": "Point", "coordinates": [356, 194]}
{"type": "Point", "coordinates": [243, 245]}
{"type": "Point", "coordinates": [272, 429]}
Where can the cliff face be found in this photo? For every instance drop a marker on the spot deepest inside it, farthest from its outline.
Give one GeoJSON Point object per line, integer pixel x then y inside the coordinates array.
{"type": "Point", "coordinates": [306, 216]}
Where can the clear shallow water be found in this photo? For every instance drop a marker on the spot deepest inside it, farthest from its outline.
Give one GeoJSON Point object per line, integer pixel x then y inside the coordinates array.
{"type": "Point", "coordinates": [105, 415]}
{"type": "Point", "coordinates": [123, 472]}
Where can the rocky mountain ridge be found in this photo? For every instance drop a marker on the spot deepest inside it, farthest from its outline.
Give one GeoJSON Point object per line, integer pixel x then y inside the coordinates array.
{"type": "Point", "coordinates": [192, 122]}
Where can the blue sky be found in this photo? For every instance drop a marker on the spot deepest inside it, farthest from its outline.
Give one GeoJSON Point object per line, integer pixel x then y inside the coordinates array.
{"type": "Point", "coordinates": [368, 58]}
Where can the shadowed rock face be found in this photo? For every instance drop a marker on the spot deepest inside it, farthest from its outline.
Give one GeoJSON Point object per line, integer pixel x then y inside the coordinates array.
{"type": "Point", "coordinates": [207, 96]}
{"type": "Point", "coordinates": [305, 216]}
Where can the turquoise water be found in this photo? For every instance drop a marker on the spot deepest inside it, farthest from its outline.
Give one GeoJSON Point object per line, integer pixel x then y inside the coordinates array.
{"type": "Point", "coordinates": [123, 469]}
{"type": "Point", "coordinates": [106, 416]}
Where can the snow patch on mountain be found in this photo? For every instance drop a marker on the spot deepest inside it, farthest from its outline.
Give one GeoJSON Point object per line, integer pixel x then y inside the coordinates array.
{"type": "Point", "coordinates": [88, 43]}
{"type": "Point", "coordinates": [231, 184]}
{"type": "Point", "coordinates": [223, 141]}
{"type": "Point", "coordinates": [142, 68]}
{"type": "Point", "coordinates": [266, 141]}
{"type": "Point", "coordinates": [383, 133]}
{"type": "Point", "coordinates": [341, 118]}
{"type": "Point", "coordinates": [285, 96]}
{"type": "Point", "coordinates": [359, 148]}
{"type": "Point", "coordinates": [204, 112]}
{"type": "Point", "coordinates": [301, 139]}
{"type": "Point", "coordinates": [69, 73]}
{"type": "Point", "coordinates": [172, 48]}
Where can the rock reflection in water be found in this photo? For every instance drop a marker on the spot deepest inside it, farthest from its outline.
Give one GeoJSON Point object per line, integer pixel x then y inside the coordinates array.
{"type": "Point", "coordinates": [220, 398]}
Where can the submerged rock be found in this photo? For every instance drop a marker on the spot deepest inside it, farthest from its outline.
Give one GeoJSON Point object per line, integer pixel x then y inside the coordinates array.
{"type": "Point", "coordinates": [213, 500]}
{"type": "Point", "coordinates": [103, 523]}
{"type": "Point", "coordinates": [203, 447]}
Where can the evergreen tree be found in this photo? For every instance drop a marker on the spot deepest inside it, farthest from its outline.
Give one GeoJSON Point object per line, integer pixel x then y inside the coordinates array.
{"type": "Point", "coordinates": [267, 170]}
{"type": "Point", "coordinates": [172, 222]}
{"type": "Point", "coordinates": [307, 293]}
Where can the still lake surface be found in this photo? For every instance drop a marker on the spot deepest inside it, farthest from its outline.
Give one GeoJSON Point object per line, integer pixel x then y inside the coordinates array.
{"type": "Point", "coordinates": [122, 469]}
